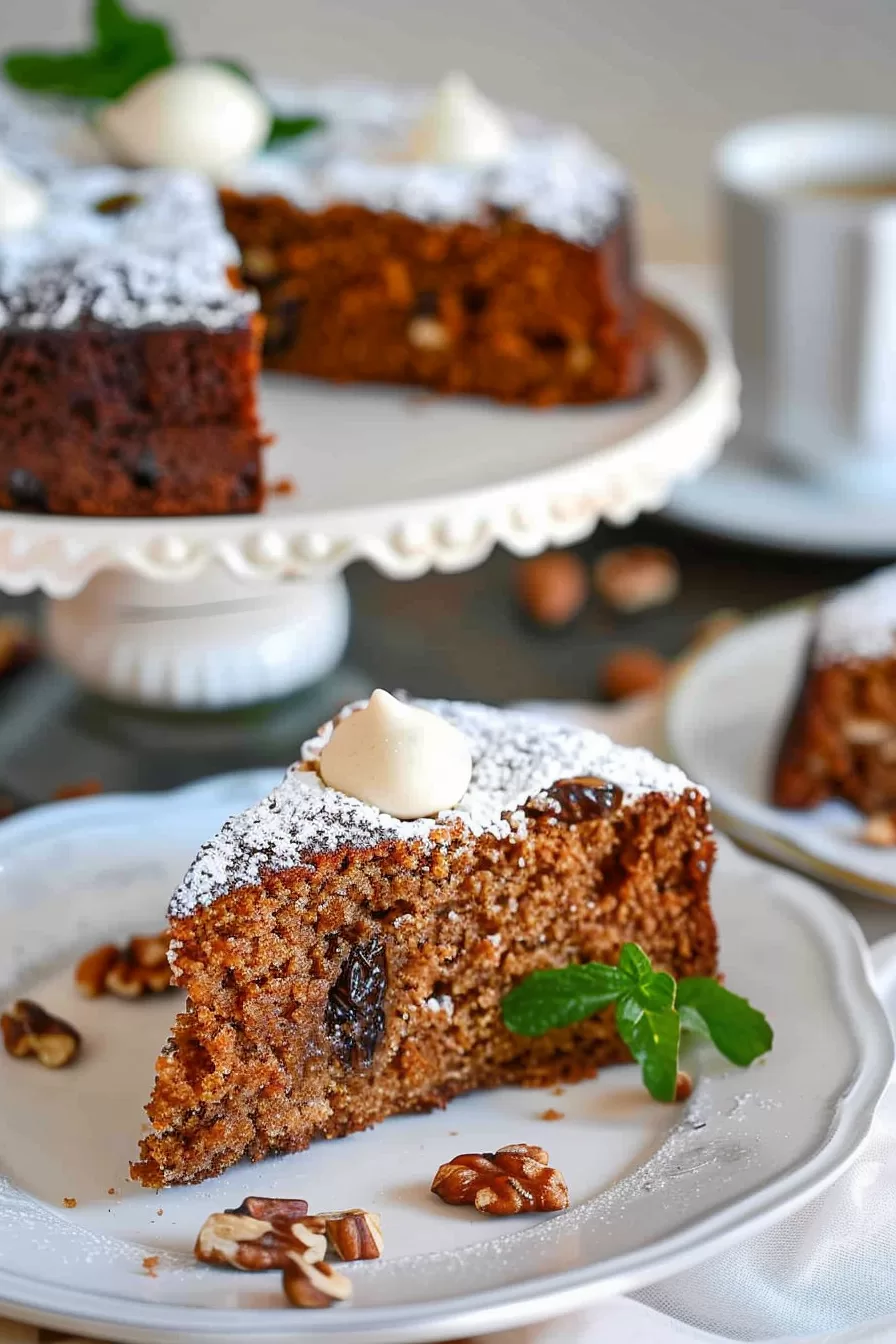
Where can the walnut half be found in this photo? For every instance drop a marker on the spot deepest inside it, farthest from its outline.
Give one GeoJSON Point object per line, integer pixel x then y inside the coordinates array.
{"type": "Point", "coordinates": [29, 1030]}
{"type": "Point", "coordinates": [515, 1179]}
{"type": "Point", "coordinates": [141, 967]}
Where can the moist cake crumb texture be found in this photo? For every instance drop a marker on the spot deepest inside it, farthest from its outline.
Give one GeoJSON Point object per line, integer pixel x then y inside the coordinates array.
{"type": "Point", "coordinates": [341, 966]}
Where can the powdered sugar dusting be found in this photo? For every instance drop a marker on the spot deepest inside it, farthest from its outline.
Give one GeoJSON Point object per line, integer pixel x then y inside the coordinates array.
{"type": "Point", "coordinates": [859, 622]}
{"type": "Point", "coordinates": [515, 758]}
{"type": "Point", "coordinates": [554, 177]}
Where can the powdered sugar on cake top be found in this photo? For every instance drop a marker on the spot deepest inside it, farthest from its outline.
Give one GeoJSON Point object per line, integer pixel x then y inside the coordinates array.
{"type": "Point", "coordinates": [554, 177]}
{"type": "Point", "coordinates": [859, 621]}
{"type": "Point", "coordinates": [515, 758]}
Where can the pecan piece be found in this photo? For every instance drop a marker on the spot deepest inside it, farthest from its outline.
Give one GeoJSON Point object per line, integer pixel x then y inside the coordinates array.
{"type": "Point", "coordinates": [254, 1243]}
{"type": "Point", "coordinates": [354, 1234]}
{"type": "Point", "coordinates": [308, 1284]}
{"type": "Point", "coordinates": [29, 1030]}
{"type": "Point", "coordinates": [515, 1179]}
{"type": "Point", "coordinates": [141, 967]}
{"type": "Point", "coordinates": [272, 1210]}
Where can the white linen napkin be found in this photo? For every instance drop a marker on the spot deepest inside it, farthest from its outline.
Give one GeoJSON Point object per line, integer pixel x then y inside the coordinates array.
{"type": "Point", "coordinates": [825, 1274]}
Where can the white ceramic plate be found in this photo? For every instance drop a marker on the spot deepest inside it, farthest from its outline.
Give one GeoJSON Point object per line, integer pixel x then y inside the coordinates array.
{"type": "Point", "coordinates": [724, 720]}
{"type": "Point", "coordinates": [750, 496]}
{"type": "Point", "coordinates": [653, 1189]}
{"type": "Point", "coordinates": [411, 482]}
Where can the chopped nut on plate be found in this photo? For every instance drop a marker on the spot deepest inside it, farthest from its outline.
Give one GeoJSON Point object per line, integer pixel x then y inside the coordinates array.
{"type": "Point", "coordinates": [515, 1179]}
{"type": "Point", "coordinates": [633, 671]}
{"type": "Point", "coordinates": [879, 830]}
{"type": "Point", "coordinates": [272, 1210]}
{"type": "Point", "coordinates": [141, 967]}
{"type": "Point", "coordinates": [29, 1030]}
{"type": "Point", "coordinates": [684, 1086]}
{"type": "Point", "coordinates": [634, 578]}
{"type": "Point", "coordinates": [354, 1234]}
{"type": "Point", "coordinates": [314, 1284]}
{"type": "Point", "coordinates": [255, 1243]}
{"type": "Point", "coordinates": [552, 588]}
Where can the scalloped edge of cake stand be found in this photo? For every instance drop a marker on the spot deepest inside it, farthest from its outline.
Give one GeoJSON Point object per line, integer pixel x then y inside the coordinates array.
{"type": "Point", "coordinates": [455, 531]}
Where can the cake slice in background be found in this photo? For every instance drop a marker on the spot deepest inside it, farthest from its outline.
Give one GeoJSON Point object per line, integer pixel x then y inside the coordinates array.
{"type": "Point", "coordinates": [342, 965]}
{"type": "Point", "coordinates": [840, 739]}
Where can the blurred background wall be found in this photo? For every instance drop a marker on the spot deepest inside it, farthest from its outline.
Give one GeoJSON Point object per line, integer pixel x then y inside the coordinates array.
{"type": "Point", "coordinates": [657, 81]}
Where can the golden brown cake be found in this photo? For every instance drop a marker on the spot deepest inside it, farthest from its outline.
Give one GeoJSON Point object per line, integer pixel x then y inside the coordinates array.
{"type": "Point", "coordinates": [840, 739]}
{"type": "Point", "coordinates": [342, 966]}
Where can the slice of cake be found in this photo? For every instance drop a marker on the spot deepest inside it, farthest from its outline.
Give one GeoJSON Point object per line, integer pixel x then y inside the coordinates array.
{"type": "Point", "coordinates": [840, 740]}
{"type": "Point", "coordinates": [345, 955]}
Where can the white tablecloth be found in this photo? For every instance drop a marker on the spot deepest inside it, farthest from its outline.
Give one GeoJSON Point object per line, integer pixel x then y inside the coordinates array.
{"type": "Point", "coordinates": [827, 1273]}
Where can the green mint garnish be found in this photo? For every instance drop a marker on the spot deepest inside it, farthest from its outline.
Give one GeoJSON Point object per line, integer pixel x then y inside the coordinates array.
{"type": "Point", "coordinates": [651, 1012]}
{"type": "Point", "coordinates": [124, 50]}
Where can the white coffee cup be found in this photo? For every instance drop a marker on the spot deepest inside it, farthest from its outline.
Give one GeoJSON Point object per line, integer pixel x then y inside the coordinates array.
{"type": "Point", "coordinates": [811, 272]}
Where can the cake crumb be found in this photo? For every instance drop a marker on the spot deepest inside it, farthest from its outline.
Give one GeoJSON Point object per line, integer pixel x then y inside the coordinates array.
{"type": "Point", "coordinates": [159, 1212]}
{"type": "Point", "coordinates": [283, 485]}
{"type": "Point", "coordinates": [111, 1190]}
{"type": "Point", "coordinates": [151, 1264]}
{"type": "Point", "coordinates": [558, 1091]}
{"type": "Point", "coordinates": [69, 1203]}
{"type": "Point", "coordinates": [551, 1114]}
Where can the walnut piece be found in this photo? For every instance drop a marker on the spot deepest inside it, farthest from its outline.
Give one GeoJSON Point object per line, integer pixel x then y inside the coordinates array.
{"type": "Point", "coordinates": [634, 578]}
{"type": "Point", "coordinates": [879, 830]}
{"type": "Point", "coordinates": [313, 1284]}
{"type": "Point", "coordinates": [272, 1210]}
{"type": "Point", "coordinates": [631, 672]}
{"type": "Point", "coordinates": [29, 1030]}
{"type": "Point", "coordinates": [515, 1179]}
{"type": "Point", "coordinates": [141, 967]}
{"type": "Point", "coordinates": [552, 588]}
{"type": "Point", "coordinates": [255, 1243]}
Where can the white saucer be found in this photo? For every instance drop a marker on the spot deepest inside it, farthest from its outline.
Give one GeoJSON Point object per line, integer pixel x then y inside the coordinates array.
{"type": "Point", "coordinates": [654, 1189]}
{"type": "Point", "coordinates": [724, 719]}
{"type": "Point", "coordinates": [750, 496]}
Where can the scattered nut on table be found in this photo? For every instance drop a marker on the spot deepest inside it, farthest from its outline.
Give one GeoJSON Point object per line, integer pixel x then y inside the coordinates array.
{"type": "Point", "coordinates": [29, 1030]}
{"type": "Point", "coordinates": [634, 578]}
{"type": "Point", "coordinates": [552, 588]}
{"type": "Point", "coordinates": [141, 967]}
{"type": "Point", "coordinates": [515, 1179]}
{"type": "Point", "coordinates": [630, 672]}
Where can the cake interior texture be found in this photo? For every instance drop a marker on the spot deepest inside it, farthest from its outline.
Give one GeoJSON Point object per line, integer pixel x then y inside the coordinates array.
{"type": "Point", "coordinates": [497, 308]}
{"type": "Point", "coordinates": [367, 980]}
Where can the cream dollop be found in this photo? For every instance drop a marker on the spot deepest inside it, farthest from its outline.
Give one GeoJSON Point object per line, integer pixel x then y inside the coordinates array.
{"type": "Point", "coordinates": [195, 116]}
{"type": "Point", "coordinates": [460, 126]}
{"type": "Point", "coordinates": [23, 202]}
{"type": "Point", "coordinates": [401, 759]}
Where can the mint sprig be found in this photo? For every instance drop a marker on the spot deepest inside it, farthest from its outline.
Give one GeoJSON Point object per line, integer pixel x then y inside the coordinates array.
{"type": "Point", "coordinates": [124, 50]}
{"type": "Point", "coordinates": [652, 1011]}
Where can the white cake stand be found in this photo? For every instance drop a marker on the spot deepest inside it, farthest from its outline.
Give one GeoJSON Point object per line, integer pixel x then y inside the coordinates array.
{"type": "Point", "coordinates": [217, 612]}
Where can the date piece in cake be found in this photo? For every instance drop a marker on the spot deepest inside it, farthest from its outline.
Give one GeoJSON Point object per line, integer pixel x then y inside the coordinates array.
{"type": "Point", "coordinates": [840, 741]}
{"type": "Point", "coordinates": [342, 966]}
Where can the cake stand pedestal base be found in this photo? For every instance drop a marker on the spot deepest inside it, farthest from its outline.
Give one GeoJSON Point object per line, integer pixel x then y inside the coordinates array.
{"type": "Point", "coordinates": [210, 642]}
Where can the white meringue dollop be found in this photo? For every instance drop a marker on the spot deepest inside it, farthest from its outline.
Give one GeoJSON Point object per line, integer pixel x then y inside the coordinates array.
{"type": "Point", "coordinates": [23, 202]}
{"type": "Point", "coordinates": [196, 116]}
{"type": "Point", "coordinates": [403, 760]}
{"type": "Point", "coordinates": [460, 126]}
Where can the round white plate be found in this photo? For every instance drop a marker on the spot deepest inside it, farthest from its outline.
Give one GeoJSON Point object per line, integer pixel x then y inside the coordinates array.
{"type": "Point", "coordinates": [749, 496]}
{"type": "Point", "coordinates": [653, 1188]}
{"type": "Point", "coordinates": [410, 481]}
{"type": "Point", "coordinates": [724, 720]}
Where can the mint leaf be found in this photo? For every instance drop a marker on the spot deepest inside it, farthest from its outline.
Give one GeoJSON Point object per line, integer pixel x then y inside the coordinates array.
{"type": "Point", "coordinates": [634, 963]}
{"type": "Point", "coordinates": [653, 1035]}
{"type": "Point", "coordinates": [737, 1029]}
{"type": "Point", "coordinates": [125, 49]}
{"type": "Point", "coordinates": [288, 128]}
{"type": "Point", "coordinates": [547, 999]}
